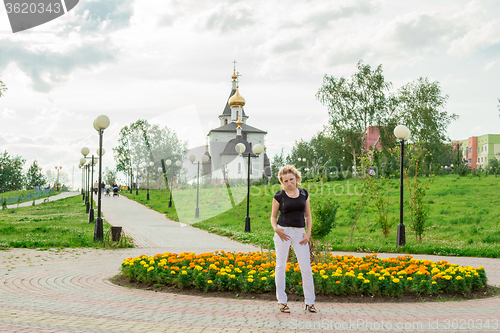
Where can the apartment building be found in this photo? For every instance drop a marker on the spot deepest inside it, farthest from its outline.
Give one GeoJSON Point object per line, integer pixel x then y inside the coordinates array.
{"type": "Point", "coordinates": [479, 150]}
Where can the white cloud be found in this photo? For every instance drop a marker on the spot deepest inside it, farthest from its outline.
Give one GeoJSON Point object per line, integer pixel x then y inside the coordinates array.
{"type": "Point", "coordinates": [487, 34]}
{"type": "Point", "coordinates": [8, 114]}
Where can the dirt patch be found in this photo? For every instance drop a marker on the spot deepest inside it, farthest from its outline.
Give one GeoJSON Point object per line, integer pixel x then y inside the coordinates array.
{"type": "Point", "coordinates": [487, 292]}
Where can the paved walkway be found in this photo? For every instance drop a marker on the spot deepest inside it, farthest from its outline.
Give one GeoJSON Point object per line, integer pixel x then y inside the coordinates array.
{"type": "Point", "coordinates": [69, 291]}
{"type": "Point", "coordinates": [61, 195]}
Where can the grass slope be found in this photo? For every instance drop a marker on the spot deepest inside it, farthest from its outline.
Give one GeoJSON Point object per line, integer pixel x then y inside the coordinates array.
{"type": "Point", "coordinates": [59, 223]}
{"type": "Point", "coordinates": [464, 215]}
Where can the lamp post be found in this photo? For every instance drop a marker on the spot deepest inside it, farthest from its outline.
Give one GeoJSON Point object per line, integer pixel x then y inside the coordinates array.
{"type": "Point", "coordinates": [146, 166]}
{"type": "Point", "coordinates": [91, 214]}
{"type": "Point", "coordinates": [58, 168]}
{"type": "Point", "coordinates": [85, 151]}
{"type": "Point", "coordinates": [204, 159]}
{"type": "Point", "coordinates": [100, 124]}
{"type": "Point", "coordinates": [240, 149]}
{"type": "Point", "coordinates": [403, 134]}
{"type": "Point", "coordinates": [178, 163]}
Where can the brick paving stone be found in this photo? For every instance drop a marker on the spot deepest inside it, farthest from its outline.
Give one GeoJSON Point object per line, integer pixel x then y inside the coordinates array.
{"type": "Point", "coordinates": [69, 291]}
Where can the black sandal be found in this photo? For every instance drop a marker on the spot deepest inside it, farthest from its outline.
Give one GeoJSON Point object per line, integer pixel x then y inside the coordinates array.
{"type": "Point", "coordinates": [284, 308]}
{"type": "Point", "coordinates": [310, 308]}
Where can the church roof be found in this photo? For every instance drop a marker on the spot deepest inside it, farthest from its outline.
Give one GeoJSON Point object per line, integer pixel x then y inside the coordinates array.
{"type": "Point", "coordinates": [227, 109]}
{"type": "Point", "coordinates": [230, 147]}
{"type": "Point", "coordinates": [231, 128]}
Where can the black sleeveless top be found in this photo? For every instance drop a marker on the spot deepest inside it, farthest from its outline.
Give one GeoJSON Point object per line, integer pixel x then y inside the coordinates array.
{"type": "Point", "coordinates": [292, 209]}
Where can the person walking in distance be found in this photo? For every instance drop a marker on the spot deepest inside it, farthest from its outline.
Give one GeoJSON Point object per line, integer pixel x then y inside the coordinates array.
{"type": "Point", "coordinates": [292, 227]}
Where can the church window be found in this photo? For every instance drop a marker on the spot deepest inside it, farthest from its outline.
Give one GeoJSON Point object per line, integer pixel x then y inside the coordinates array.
{"type": "Point", "coordinates": [239, 167]}
{"type": "Point", "coordinates": [225, 121]}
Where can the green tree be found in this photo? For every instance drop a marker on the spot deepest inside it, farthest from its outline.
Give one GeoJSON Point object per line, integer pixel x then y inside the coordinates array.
{"type": "Point", "coordinates": [144, 142]}
{"type": "Point", "coordinates": [421, 107]}
{"type": "Point", "coordinates": [277, 163]}
{"type": "Point", "coordinates": [11, 172]}
{"type": "Point", "coordinates": [3, 88]}
{"type": "Point", "coordinates": [109, 176]}
{"type": "Point", "coordinates": [34, 176]}
{"type": "Point", "coordinates": [354, 104]}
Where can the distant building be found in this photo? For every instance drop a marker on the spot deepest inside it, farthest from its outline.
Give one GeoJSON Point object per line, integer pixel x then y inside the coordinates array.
{"type": "Point", "coordinates": [479, 150]}
{"type": "Point", "coordinates": [371, 137]}
{"type": "Point", "coordinates": [224, 160]}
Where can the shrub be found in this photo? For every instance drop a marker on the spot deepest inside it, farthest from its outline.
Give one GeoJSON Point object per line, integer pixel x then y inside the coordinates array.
{"type": "Point", "coordinates": [324, 213]}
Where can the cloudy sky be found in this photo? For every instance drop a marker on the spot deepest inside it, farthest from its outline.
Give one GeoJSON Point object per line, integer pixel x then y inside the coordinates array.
{"type": "Point", "coordinates": [171, 62]}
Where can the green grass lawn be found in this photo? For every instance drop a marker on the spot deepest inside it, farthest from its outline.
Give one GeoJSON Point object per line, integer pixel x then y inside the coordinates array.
{"type": "Point", "coordinates": [54, 224]}
{"type": "Point", "coordinates": [464, 215]}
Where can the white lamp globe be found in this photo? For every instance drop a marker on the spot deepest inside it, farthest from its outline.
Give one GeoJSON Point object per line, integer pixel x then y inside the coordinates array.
{"type": "Point", "coordinates": [102, 122]}
{"type": "Point", "coordinates": [192, 158]}
{"type": "Point", "coordinates": [178, 163]}
{"type": "Point", "coordinates": [240, 148]}
{"type": "Point", "coordinates": [258, 149]}
{"type": "Point", "coordinates": [401, 132]}
{"type": "Point", "coordinates": [204, 158]}
{"type": "Point", "coordinates": [168, 162]}
{"type": "Point", "coordinates": [101, 152]}
{"type": "Point", "coordinates": [151, 163]}
{"type": "Point", "coordinates": [143, 164]}
{"type": "Point", "coordinates": [82, 161]}
{"type": "Point", "coordinates": [85, 151]}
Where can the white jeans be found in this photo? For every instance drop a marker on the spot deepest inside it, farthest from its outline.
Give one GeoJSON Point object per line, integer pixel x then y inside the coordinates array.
{"type": "Point", "coordinates": [302, 254]}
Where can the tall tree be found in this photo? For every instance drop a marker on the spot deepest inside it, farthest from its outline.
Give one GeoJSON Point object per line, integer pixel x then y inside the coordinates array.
{"type": "Point", "coordinates": [11, 172]}
{"type": "Point", "coordinates": [421, 107]}
{"type": "Point", "coordinates": [145, 142]}
{"type": "Point", "coordinates": [34, 176]}
{"type": "Point", "coordinates": [354, 104]}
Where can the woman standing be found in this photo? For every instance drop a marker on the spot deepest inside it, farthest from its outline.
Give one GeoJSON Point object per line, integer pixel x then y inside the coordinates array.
{"type": "Point", "coordinates": [293, 227]}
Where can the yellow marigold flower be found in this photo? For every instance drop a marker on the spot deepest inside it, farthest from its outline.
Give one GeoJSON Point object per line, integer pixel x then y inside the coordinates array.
{"type": "Point", "coordinates": [434, 282]}
{"type": "Point", "coordinates": [480, 267]}
{"type": "Point", "coordinates": [252, 272]}
{"type": "Point", "coordinates": [209, 281]}
{"type": "Point", "coordinates": [250, 280]}
{"type": "Point", "coordinates": [263, 278]}
{"type": "Point", "coordinates": [172, 272]}
{"type": "Point", "coordinates": [366, 281]}
{"type": "Point", "coordinates": [184, 273]}
{"type": "Point", "coordinates": [324, 276]}
{"type": "Point", "coordinates": [150, 269]}
{"type": "Point", "coordinates": [232, 276]}
{"type": "Point", "coordinates": [409, 278]}
{"type": "Point", "coordinates": [145, 265]}
{"type": "Point", "coordinates": [322, 272]}
{"type": "Point", "coordinates": [459, 278]}
{"type": "Point", "coordinates": [381, 278]}
{"type": "Point", "coordinates": [396, 280]}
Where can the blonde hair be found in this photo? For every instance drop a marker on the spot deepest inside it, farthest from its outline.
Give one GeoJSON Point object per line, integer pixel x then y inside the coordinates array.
{"type": "Point", "coordinates": [289, 169]}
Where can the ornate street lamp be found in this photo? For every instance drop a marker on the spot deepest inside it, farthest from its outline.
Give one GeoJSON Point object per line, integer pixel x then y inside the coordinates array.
{"type": "Point", "coordinates": [204, 159]}
{"type": "Point", "coordinates": [144, 165]}
{"type": "Point", "coordinates": [240, 149]}
{"type": "Point", "coordinates": [100, 124]}
{"type": "Point", "coordinates": [91, 214]}
{"type": "Point", "coordinates": [85, 151]}
{"type": "Point", "coordinates": [403, 134]}
{"type": "Point", "coordinates": [178, 163]}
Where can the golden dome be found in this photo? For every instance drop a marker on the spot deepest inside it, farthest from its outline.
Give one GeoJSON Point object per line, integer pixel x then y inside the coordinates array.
{"type": "Point", "coordinates": [234, 76]}
{"type": "Point", "coordinates": [237, 99]}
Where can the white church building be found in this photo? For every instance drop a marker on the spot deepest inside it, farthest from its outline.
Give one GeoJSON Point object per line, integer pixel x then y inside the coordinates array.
{"type": "Point", "coordinates": [224, 161]}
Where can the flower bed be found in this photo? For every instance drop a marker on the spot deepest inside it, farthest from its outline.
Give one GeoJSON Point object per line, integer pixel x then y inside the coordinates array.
{"type": "Point", "coordinates": [253, 272]}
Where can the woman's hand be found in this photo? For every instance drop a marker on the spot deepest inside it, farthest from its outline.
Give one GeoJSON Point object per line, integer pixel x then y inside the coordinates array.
{"type": "Point", "coordinates": [282, 234]}
{"type": "Point", "coordinates": [305, 240]}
